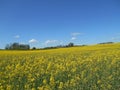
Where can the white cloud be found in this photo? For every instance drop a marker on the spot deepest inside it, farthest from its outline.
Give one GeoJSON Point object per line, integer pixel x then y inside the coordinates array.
{"type": "Point", "coordinates": [22, 43]}
{"type": "Point", "coordinates": [118, 33]}
{"type": "Point", "coordinates": [17, 36]}
{"type": "Point", "coordinates": [51, 41]}
{"type": "Point", "coordinates": [73, 38]}
{"type": "Point", "coordinates": [76, 34]}
{"type": "Point", "coordinates": [61, 42]}
{"type": "Point", "coordinates": [115, 38]}
{"type": "Point", "coordinates": [33, 41]}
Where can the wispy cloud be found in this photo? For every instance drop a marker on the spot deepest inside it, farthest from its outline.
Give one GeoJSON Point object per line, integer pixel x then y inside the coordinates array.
{"type": "Point", "coordinates": [61, 42]}
{"type": "Point", "coordinates": [22, 43]}
{"type": "Point", "coordinates": [51, 41]}
{"type": "Point", "coordinates": [17, 36]}
{"type": "Point", "coordinates": [75, 34]}
{"type": "Point", "coordinates": [33, 41]}
{"type": "Point", "coordinates": [73, 38]}
{"type": "Point", "coordinates": [115, 38]}
{"type": "Point", "coordinates": [118, 33]}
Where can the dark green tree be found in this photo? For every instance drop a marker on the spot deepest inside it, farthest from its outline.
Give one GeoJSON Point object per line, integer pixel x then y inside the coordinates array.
{"type": "Point", "coordinates": [17, 46]}
{"type": "Point", "coordinates": [70, 44]}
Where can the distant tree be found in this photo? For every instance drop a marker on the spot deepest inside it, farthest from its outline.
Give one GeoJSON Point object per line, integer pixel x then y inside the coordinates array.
{"type": "Point", "coordinates": [106, 43]}
{"type": "Point", "coordinates": [28, 47]}
{"type": "Point", "coordinates": [33, 48]}
{"type": "Point", "coordinates": [17, 46]}
{"type": "Point", "coordinates": [24, 47]}
{"type": "Point", "coordinates": [70, 44]}
{"type": "Point", "coordinates": [84, 45]}
{"type": "Point", "coordinates": [59, 46]}
{"type": "Point", "coordinates": [7, 47]}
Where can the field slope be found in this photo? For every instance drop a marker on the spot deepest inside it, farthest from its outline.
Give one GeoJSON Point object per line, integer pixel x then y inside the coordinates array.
{"type": "Point", "coordinates": [95, 67]}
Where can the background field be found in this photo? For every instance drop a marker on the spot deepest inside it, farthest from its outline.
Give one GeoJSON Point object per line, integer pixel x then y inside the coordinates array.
{"type": "Point", "coordinates": [94, 67]}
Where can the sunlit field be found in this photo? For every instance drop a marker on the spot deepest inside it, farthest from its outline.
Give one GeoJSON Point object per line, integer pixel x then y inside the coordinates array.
{"type": "Point", "coordinates": [94, 67]}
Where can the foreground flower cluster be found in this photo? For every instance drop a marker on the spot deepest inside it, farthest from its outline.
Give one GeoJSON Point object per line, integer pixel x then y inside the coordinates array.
{"type": "Point", "coordinates": [78, 68]}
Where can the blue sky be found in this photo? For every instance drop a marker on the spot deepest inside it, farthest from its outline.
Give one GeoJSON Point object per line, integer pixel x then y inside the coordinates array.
{"type": "Point", "coordinates": [43, 23]}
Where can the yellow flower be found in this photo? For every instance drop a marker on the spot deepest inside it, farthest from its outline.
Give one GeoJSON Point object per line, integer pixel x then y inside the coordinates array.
{"type": "Point", "coordinates": [44, 81]}
{"type": "Point", "coordinates": [32, 79]}
{"type": "Point", "coordinates": [61, 85]}
{"type": "Point", "coordinates": [99, 81]}
{"type": "Point", "coordinates": [52, 81]}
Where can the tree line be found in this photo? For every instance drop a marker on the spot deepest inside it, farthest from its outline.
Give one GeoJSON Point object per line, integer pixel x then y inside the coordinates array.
{"type": "Point", "coordinates": [17, 46]}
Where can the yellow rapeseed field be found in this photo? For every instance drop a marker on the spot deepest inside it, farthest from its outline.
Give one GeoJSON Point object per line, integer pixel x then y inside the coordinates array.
{"type": "Point", "coordinates": [94, 67]}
